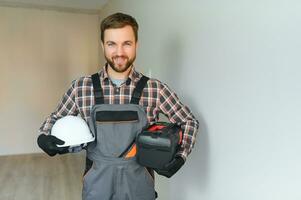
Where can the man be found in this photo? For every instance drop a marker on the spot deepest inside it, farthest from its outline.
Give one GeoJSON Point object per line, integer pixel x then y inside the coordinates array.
{"type": "Point", "coordinates": [107, 101]}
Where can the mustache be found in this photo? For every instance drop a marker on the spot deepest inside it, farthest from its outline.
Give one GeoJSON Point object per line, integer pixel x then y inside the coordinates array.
{"type": "Point", "coordinates": [124, 57]}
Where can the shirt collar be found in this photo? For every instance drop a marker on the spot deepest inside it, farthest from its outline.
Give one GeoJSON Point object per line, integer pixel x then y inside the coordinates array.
{"type": "Point", "coordinates": [103, 73]}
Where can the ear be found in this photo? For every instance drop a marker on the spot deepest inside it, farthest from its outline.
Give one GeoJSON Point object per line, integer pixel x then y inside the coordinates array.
{"type": "Point", "coordinates": [102, 46]}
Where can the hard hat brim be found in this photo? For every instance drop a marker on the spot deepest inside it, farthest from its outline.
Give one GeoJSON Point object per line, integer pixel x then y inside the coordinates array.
{"type": "Point", "coordinates": [76, 144]}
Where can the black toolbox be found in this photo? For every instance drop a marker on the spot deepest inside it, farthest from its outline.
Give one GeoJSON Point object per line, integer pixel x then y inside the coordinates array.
{"type": "Point", "coordinates": [158, 145]}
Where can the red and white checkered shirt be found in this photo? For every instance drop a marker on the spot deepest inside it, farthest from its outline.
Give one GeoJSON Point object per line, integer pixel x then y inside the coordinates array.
{"type": "Point", "coordinates": [156, 98]}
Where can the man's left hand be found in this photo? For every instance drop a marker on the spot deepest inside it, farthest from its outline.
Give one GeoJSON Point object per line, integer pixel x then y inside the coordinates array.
{"type": "Point", "coordinates": [171, 168]}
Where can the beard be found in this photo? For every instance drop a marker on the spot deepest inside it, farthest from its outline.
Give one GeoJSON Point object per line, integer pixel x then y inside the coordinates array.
{"type": "Point", "coordinates": [120, 68]}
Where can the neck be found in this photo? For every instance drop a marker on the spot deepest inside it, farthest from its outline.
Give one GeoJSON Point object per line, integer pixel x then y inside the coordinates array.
{"type": "Point", "coordinates": [118, 75]}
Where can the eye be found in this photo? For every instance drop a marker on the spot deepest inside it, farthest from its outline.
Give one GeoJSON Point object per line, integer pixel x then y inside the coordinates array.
{"type": "Point", "coordinates": [110, 44]}
{"type": "Point", "coordinates": [128, 44]}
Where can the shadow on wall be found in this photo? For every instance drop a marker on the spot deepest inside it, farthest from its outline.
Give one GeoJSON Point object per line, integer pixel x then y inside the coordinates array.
{"type": "Point", "coordinates": [193, 178]}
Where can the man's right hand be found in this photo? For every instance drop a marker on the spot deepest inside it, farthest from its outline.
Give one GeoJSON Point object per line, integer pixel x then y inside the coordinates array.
{"type": "Point", "coordinates": [48, 143]}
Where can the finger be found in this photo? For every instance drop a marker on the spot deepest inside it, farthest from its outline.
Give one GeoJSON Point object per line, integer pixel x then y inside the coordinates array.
{"type": "Point", "coordinates": [63, 150]}
{"type": "Point", "coordinates": [170, 164]}
{"type": "Point", "coordinates": [54, 147]}
{"type": "Point", "coordinates": [57, 141]}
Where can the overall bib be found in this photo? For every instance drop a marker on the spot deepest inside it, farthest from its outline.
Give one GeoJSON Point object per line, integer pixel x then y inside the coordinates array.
{"type": "Point", "coordinates": [115, 174]}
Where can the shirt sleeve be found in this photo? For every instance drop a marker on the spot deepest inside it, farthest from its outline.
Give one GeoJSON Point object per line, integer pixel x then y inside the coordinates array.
{"type": "Point", "coordinates": [66, 106]}
{"type": "Point", "coordinates": [171, 106]}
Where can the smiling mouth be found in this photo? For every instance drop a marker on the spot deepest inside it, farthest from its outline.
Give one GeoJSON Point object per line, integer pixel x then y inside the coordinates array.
{"type": "Point", "coordinates": [120, 60]}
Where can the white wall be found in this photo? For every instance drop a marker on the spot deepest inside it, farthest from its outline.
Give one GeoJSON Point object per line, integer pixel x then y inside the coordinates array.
{"type": "Point", "coordinates": [237, 65]}
{"type": "Point", "coordinates": [41, 52]}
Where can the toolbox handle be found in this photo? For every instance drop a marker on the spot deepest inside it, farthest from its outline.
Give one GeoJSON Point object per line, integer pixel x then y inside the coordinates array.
{"type": "Point", "coordinates": [159, 126]}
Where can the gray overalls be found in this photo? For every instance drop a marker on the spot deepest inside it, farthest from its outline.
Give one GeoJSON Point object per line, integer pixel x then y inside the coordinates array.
{"type": "Point", "coordinates": [115, 126]}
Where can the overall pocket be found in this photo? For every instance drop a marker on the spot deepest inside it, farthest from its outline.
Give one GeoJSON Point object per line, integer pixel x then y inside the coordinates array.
{"type": "Point", "coordinates": [116, 131]}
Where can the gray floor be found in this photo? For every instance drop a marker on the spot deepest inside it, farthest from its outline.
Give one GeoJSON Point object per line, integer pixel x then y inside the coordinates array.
{"type": "Point", "coordinates": [40, 177]}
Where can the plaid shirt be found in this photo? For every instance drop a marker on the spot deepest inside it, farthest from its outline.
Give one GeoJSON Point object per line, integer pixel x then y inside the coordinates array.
{"type": "Point", "coordinates": [156, 98]}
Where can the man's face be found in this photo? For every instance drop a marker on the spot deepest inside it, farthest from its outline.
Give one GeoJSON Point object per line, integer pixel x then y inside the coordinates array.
{"type": "Point", "coordinates": [120, 48]}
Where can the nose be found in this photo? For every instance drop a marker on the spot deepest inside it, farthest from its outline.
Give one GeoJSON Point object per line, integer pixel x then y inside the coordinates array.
{"type": "Point", "coordinates": [120, 50]}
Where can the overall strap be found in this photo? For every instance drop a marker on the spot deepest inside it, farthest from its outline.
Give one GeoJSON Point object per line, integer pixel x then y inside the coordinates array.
{"type": "Point", "coordinates": [138, 90]}
{"type": "Point", "coordinates": [98, 94]}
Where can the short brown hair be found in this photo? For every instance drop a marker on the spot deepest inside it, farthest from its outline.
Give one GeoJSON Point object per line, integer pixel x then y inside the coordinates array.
{"type": "Point", "coordinates": [118, 20]}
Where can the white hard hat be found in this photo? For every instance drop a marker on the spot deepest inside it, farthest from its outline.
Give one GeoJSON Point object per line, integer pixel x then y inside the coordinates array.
{"type": "Point", "coordinates": [73, 130]}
